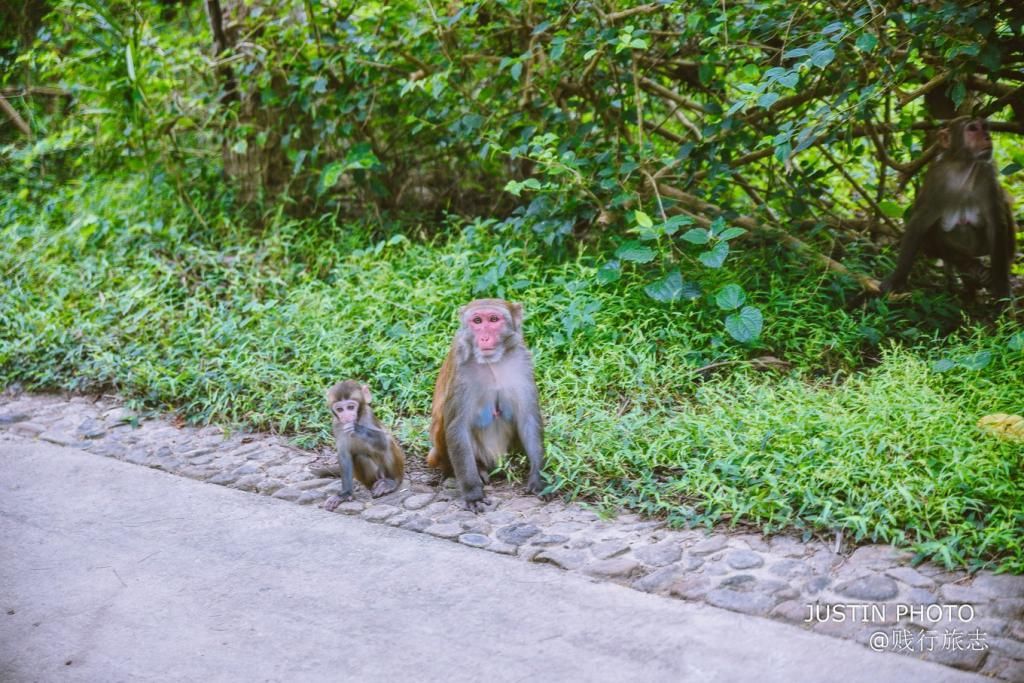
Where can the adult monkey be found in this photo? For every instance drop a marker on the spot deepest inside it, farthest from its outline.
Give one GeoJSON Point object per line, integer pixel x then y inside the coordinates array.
{"type": "Point", "coordinates": [961, 213]}
{"type": "Point", "coordinates": [485, 400]}
{"type": "Point", "coordinates": [365, 448]}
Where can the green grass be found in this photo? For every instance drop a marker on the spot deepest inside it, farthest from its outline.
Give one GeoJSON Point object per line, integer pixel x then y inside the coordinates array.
{"type": "Point", "coordinates": [111, 285]}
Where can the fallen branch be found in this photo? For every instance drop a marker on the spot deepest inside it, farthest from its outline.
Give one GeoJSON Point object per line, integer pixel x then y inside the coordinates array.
{"type": "Point", "coordinates": [15, 117]}
{"type": "Point", "coordinates": [21, 91]}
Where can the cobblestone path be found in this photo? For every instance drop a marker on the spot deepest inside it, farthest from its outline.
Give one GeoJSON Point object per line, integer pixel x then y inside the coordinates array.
{"type": "Point", "coordinates": [871, 595]}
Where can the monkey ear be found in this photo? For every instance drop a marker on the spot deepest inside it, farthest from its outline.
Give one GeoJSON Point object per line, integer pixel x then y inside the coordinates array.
{"type": "Point", "coordinates": [367, 398]}
{"type": "Point", "coordinates": [516, 309]}
{"type": "Point", "coordinates": [944, 138]}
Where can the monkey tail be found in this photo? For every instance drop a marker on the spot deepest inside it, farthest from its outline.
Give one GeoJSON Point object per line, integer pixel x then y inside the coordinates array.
{"type": "Point", "coordinates": [438, 455]}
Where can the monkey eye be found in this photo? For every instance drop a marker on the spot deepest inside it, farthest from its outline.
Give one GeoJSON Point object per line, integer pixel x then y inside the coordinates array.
{"type": "Point", "coordinates": [972, 127]}
{"type": "Point", "coordinates": [494, 318]}
{"type": "Point", "coordinates": [477, 320]}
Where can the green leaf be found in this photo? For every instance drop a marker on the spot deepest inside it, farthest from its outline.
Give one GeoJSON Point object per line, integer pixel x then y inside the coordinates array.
{"type": "Point", "coordinates": [642, 219]}
{"type": "Point", "coordinates": [767, 100]}
{"type": "Point", "coordinates": [730, 297]}
{"type": "Point", "coordinates": [672, 288]}
{"type": "Point", "coordinates": [943, 365]}
{"type": "Point", "coordinates": [1016, 342]}
{"type": "Point", "coordinates": [957, 93]}
{"type": "Point", "coordinates": [129, 62]}
{"type": "Point", "coordinates": [790, 80]}
{"type": "Point", "coordinates": [240, 147]}
{"type": "Point", "coordinates": [731, 233]}
{"type": "Point", "coordinates": [331, 174]}
{"type": "Point", "coordinates": [716, 256]}
{"type": "Point", "coordinates": [636, 252]}
{"type": "Point", "coordinates": [890, 208]}
{"type": "Point", "coordinates": [1011, 168]}
{"type": "Point", "coordinates": [866, 42]}
{"type": "Point", "coordinates": [976, 361]}
{"type": "Point", "coordinates": [361, 156]}
{"type": "Point", "coordinates": [557, 47]}
{"type": "Point", "coordinates": [736, 106]}
{"type": "Point", "coordinates": [823, 58]}
{"type": "Point", "coordinates": [697, 236]}
{"type": "Point", "coordinates": [513, 187]}
{"type": "Point", "coordinates": [673, 224]}
{"type": "Point", "coordinates": [746, 325]}
{"type": "Point", "coordinates": [609, 272]}
{"type": "Point", "coordinates": [782, 151]}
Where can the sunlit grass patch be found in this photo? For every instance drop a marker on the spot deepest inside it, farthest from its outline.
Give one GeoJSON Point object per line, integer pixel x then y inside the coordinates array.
{"type": "Point", "coordinates": [864, 423]}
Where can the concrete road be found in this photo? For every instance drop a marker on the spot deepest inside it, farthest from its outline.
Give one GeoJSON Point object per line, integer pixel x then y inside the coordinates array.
{"type": "Point", "coordinates": [114, 572]}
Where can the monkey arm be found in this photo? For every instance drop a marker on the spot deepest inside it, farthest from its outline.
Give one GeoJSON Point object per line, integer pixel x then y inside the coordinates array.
{"type": "Point", "coordinates": [345, 462]}
{"type": "Point", "coordinates": [1000, 235]}
{"type": "Point", "coordinates": [918, 225]}
{"type": "Point", "coordinates": [374, 440]}
{"type": "Point", "coordinates": [461, 455]}
{"type": "Point", "coordinates": [530, 431]}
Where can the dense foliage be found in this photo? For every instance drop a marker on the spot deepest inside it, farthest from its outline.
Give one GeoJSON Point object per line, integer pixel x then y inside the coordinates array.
{"type": "Point", "coordinates": [220, 207]}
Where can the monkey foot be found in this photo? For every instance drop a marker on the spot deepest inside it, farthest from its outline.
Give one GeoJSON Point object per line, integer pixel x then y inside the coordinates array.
{"type": "Point", "coordinates": [382, 487]}
{"type": "Point", "coordinates": [477, 506]}
{"type": "Point", "coordinates": [334, 501]}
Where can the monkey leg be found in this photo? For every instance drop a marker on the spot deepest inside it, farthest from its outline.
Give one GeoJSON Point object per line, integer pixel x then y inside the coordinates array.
{"type": "Point", "coordinates": [368, 470]}
{"type": "Point", "coordinates": [972, 273]}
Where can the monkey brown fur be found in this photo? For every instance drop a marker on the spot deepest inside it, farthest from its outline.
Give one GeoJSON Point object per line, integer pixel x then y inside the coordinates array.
{"type": "Point", "coordinates": [485, 400]}
{"type": "Point", "coordinates": [364, 447]}
{"type": "Point", "coordinates": [961, 213]}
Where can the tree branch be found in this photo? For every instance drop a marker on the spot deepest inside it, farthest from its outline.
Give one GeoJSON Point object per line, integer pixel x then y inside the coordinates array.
{"type": "Point", "coordinates": [15, 117]}
{"type": "Point", "coordinates": [699, 208]}
{"type": "Point", "coordinates": [669, 94]}
{"type": "Point", "coordinates": [924, 89]}
{"type": "Point", "coordinates": [215, 16]}
{"type": "Point", "coordinates": [632, 11]}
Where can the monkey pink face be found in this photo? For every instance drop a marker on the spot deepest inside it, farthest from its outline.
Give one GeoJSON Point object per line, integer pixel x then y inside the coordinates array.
{"type": "Point", "coordinates": [346, 411]}
{"type": "Point", "coordinates": [977, 139]}
{"type": "Point", "coordinates": [488, 326]}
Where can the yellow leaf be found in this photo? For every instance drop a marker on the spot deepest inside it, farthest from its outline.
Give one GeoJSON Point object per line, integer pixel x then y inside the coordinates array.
{"type": "Point", "coordinates": [1004, 426]}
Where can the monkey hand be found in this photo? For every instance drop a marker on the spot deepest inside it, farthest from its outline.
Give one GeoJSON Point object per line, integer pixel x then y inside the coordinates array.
{"type": "Point", "coordinates": [334, 501]}
{"type": "Point", "coordinates": [348, 427]}
{"type": "Point", "coordinates": [477, 506]}
{"type": "Point", "coordinates": [535, 485]}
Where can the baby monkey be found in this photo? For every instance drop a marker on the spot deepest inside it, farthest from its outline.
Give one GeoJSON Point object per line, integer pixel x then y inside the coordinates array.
{"type": "Point", "coordinates": [364, 446]}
